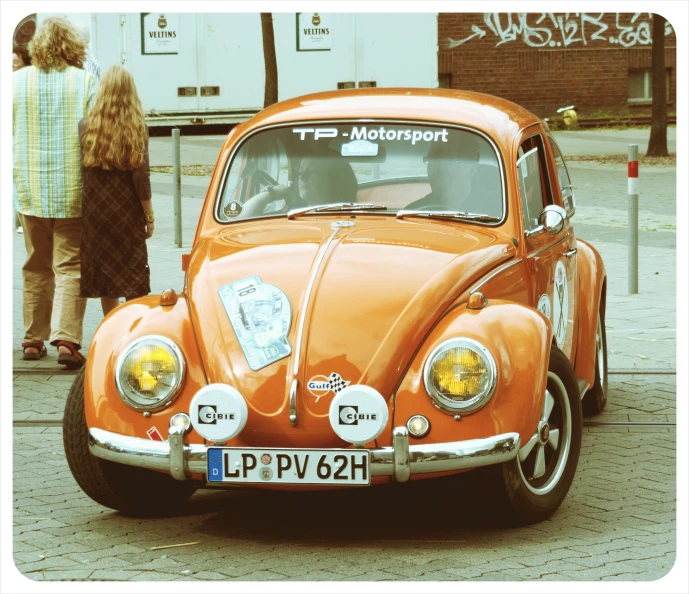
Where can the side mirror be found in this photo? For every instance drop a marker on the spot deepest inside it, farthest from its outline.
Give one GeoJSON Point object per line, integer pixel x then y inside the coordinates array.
{"type": "Point", "coordinates": [553, 219]}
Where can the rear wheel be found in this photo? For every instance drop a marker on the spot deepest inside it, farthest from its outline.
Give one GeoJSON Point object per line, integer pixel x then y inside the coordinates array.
{"type": "Point", "coordinates": [596, 398]}
{"type": "Point", "coordinates": [538, 479]}
{"type": "Point", "coordinates": [129, 489]}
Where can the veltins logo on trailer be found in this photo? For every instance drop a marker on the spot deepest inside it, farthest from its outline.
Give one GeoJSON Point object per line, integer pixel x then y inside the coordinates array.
{"type": "Point", "coordinates": [314, 32]}
{"type": "Point", "coordinates": [159, 33]}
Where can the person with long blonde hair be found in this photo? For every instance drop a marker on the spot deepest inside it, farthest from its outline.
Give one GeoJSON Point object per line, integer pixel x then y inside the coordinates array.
{"type": "Point", "coordinates": [49, 98]}
{"type": "Point", "coordinates": [117, 211]}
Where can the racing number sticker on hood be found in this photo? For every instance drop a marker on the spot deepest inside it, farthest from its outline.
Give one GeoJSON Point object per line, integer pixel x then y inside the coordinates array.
{"type": "Point", "coordinates": [560, 304]}
{"type": "Point", "coordinates": [261, 317]}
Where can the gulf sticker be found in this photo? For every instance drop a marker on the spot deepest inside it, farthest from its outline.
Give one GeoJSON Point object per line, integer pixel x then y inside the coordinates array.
{"type": "Point", "coordinates": [319, 385]}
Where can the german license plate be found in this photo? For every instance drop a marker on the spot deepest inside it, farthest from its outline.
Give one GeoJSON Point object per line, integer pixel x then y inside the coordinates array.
{"type": "Point", "coordinates": [288, 466]}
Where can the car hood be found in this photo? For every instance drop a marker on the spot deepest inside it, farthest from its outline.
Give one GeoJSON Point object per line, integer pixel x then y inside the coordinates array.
{"type": "Point", "coordinates": [354, 301]}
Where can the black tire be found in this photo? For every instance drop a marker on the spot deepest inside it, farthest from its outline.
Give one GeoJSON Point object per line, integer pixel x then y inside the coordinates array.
{"type": "Point", "coordinates": [597, 397]}
{"type": "Point", "coordinates": [129, 489]}
{"type": "Point", "coordinates": [529, 498]}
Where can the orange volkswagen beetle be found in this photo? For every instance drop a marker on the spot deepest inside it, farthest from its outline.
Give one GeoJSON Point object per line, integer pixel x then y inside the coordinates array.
{"type": "Point", "coordinates": [385, 286]}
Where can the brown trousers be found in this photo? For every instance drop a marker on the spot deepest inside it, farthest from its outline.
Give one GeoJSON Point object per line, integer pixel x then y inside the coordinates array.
{"type": "Point", "coordinates": [52, 274]}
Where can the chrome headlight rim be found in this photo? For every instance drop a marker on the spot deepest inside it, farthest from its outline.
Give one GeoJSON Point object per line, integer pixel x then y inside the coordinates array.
{"type": "Point", "coordinates": [478, 401]}
{"type": "Point", "coordinates": [174, 392]}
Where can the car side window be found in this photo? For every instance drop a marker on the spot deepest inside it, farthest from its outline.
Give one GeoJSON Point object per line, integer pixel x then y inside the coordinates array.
{"type": "Point", "coordinates": [534, 188]}
{"type": "Point", "coordinates": [563, 177]}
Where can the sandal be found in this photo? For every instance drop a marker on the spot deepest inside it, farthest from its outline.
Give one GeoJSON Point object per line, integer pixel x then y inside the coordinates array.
{"type": "Point", "coordinates": [72, 360]}
{"type": "Point", "coordinates": [39, 346]}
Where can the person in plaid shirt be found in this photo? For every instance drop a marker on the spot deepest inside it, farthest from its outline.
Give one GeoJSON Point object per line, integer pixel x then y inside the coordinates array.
{"type": "Point", "coordinates": [50, 97]}
{"type": "Point", "coordinates": [90, 63]}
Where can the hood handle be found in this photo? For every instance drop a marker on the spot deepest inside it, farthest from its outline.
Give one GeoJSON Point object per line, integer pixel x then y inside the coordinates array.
{"type": "Point", "coordinates": [293, 403]}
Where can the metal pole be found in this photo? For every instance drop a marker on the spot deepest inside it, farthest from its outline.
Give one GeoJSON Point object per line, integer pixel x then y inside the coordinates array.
{"type": "Point", "coordinates": [356, 57]}
{"type": "Point", "coordinates": [123, 45]}
{"type": "Point", "coordinates": [177, 186]}
{"type": "Point", "coordinates": [633, 224]}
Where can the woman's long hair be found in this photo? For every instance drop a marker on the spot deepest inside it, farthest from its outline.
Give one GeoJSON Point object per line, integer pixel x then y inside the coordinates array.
{"type": "Point", "coordinates": [57, 44]}
{"type": "Point", "coordinates": [115, 136]}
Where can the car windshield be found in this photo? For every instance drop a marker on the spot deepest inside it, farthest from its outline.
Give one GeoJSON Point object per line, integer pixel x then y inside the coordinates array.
{"type": "Point", "coordinates": [378, 167]}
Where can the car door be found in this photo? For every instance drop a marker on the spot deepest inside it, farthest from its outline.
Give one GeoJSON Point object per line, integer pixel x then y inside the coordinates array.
{"type": "Point", "coordinates": [551, 256]}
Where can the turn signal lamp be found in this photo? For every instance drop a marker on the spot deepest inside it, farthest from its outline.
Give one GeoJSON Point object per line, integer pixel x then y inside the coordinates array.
{"type": "Point", "coordinates": [181, 420]}
{"type": "Point", "coordinates": [418, 426]}
{"type": "Point", "coordinates": [477, 301]}
{"type": "Point", "coordinates": [168, 297]}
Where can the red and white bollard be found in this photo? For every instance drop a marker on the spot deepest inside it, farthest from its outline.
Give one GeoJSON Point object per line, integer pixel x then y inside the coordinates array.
{"type": "Point", "coordinates": [633, 224]}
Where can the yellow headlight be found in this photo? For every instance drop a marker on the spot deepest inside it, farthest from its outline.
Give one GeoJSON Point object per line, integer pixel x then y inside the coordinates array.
{"type": "Point", "coordinates": [149, 372]}
{"type": "Point", "coordinates": [460, 375]}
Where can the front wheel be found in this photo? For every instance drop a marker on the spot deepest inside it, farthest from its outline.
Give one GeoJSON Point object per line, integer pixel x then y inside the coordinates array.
{"type": "Point", "coordinates": [538, 479]}
{"type": "Point", "coordinates": [129, 489]}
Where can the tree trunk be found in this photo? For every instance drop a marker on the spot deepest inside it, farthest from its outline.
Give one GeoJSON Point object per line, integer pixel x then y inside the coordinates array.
{"type": "Point", "coordinates": [271, 92]}
{"type": "Point", "coordinates": [657, 144]}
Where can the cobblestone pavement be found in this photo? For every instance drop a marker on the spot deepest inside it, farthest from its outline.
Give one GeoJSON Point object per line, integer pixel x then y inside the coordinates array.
{"type": "Point", "coordinates": [641, 328]}
{"type": "Point", "coordinates": [617, 523]}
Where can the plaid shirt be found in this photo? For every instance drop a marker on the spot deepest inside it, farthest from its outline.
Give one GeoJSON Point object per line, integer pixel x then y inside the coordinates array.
{"type": "Point", "coordinates": [46, 171]}
{"type": "Point", "coordinates": [91, 65]}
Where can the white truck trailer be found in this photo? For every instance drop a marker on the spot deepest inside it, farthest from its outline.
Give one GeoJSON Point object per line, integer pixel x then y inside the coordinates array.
{"type": "Point", "coordinates": [203, 68]}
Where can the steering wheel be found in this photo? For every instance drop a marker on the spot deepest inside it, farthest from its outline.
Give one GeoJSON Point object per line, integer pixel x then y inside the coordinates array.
{"type": "Point", "coordinates": [256, 206]}
{"type": "Point", "coordinates": [264, 179]}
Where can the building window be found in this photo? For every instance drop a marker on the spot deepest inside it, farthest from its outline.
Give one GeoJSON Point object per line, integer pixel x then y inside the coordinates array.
{"type": "Point", "coordinates": [444, 80]}
{"type": "Point", "coordinates": [641, 86]}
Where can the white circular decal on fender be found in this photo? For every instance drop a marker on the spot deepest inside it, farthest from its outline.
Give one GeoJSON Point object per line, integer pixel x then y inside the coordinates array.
{"type": "Point", "coordinates": [218, 412]}
{"type": "Point", "coordinates": [544, 305]}
{"type": "Point", "coordinates": [358, 414]}
{"type": "Point", "coordinates": [560, 304]}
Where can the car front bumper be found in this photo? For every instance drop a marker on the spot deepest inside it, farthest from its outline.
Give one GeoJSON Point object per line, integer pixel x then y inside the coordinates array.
{"type": "Point", "coordinates": [400, 461]}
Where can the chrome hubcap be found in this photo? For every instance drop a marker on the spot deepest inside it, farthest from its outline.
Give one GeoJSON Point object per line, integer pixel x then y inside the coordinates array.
{"type": "Point", "coordinates": [543, 458]}
{"type": "Point", "coordinates": [544, 433]}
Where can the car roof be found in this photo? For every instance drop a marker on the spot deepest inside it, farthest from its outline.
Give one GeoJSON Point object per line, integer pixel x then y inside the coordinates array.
{"type": "Point", "coordinates": [499, 118]}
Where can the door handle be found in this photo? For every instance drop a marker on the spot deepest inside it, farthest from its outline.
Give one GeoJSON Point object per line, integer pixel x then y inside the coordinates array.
{"type": "Point", "coordinates": [571, 252]}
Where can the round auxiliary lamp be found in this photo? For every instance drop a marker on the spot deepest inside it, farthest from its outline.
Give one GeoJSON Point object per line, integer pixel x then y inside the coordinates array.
{"type": "Point", "coordinates": [358, 414]}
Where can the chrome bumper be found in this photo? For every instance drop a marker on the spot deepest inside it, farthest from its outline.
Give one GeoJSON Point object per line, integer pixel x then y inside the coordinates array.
{"type": "Point", "coordinates": [399, 461]}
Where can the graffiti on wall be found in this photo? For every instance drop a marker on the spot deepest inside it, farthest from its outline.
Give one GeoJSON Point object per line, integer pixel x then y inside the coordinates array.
{"type": "Point", "coordinates": [562, 30]}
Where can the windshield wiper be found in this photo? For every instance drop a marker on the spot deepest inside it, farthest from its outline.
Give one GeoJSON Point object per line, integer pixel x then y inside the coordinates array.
{"type": "Point", "coordinates": [447, 214]}
{"type": "Point", "coordinates": [339, 206]}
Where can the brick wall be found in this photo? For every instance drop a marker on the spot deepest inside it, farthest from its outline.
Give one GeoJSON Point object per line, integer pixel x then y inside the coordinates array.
{"type": "Point", "coordinates": [548, 60]}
